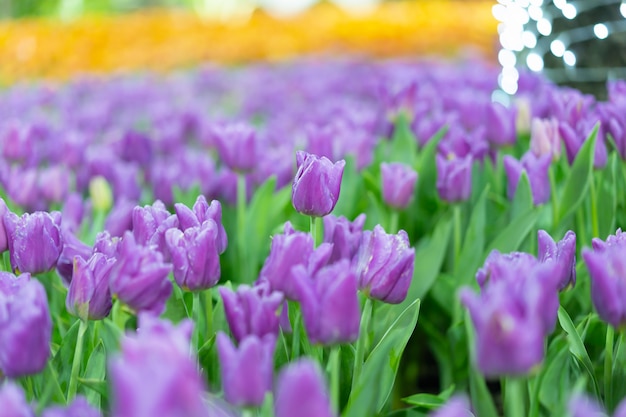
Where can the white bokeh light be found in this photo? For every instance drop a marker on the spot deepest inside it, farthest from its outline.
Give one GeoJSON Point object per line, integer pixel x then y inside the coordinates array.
{"type": "Point", "coordinates": [534, 62]}
{"type": "Point", "coordinates": [536, 2]}
{"type": "Point", "coordinates": [560, 3]}
{"type": "Point", "coordinates": [544, 27]}
{"type": "Point", "coordinates": [622, 9]}
{"type": "Point", "coordinates": [535, 13]}
{"type": "Point", "coordinates": [569, 58]}
{"type": "Point", "coordinates": [509, 85]}
{"type": "Point", "coordinates": [506, 58]}
{"type": "Point", "coordinates": [601, 31]}
{"type": "Point", "coordinates": [569, 11]}
{"type": "Point", "coordinates": [529, 39]}
{"type": "Point", "coordinates": [557, 47]}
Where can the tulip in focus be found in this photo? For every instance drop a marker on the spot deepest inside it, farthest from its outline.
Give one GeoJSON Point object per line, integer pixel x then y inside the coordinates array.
{"type": "Point", "coordinates": [384, 265]}
{"type": "Point", "coordinates": [201, 212]}
{"type": "Point", "coordinates": [247, 371]}
{"type": "Point", "coordinates": [89, 296]}
{"type": "Point", "coordinates": [301, 391]}
{"type": "Point", "coordinates": [35, 240]}
{"type": "Point", "coordinates": [398, 184]}
{"type": "Point", "coordinates": [317, 183]}
{"type": "Point", "coordinates": [25, 325]}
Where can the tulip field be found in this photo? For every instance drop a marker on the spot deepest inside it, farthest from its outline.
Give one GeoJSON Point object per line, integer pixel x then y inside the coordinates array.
{"type": "Point", "coordinates": [312, 238]}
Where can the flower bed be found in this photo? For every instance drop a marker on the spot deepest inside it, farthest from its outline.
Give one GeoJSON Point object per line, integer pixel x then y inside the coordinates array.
{"type": "Point", "coordinates": [263, 240]}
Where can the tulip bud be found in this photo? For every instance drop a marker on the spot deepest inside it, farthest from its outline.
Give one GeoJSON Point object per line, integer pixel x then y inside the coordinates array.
{"type": "Point", "coordinates": [89, 296]}
{"type": "Point", "coordinates": [139, 277]}
{"type": "Point", "coordinates": [562, 253]}
{"type": "Point", "coordinates": [454, 177]}
{"type": "Point", "coordinates": [100, 194]}
{"type": "Point", "coordinates": [398, 184]}
{"type": "Point", "coordinates": [247, 371]}
{"type": "Point", "coordinates": [35, 241]}
{"type": "Point", "coordinates": [252, 310]}
{"type": "Point", "coordinates": [329, 303]}
{"type": "Point", "coordinates": [301, 391]}
{"type": "Point", "coordinates": [194, 256]}
{"type": "Point", "coordinates": [237, 146]}
{"type": "Point", "coordinates": [317, 183]}
{"type": "Point", "coordinates": [537, 170]}
{"type": "Point", "coordinates": [25, 325]}
{"type": "Point", "coordinates": [200, 213]}
{"type": "Point", "coordinates": [72, 247]}
{"type": "Point", "coordinates": [384, 265]}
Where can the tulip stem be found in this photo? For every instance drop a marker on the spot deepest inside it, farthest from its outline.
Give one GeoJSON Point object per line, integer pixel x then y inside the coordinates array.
{"type": "Point", "coordinates": [335, 368]}
{"type": "Point", "coordinates": [209, 312]}
{"type": "Point", "coordinates": [595, 228]}
{"type": "Point", "coordinates": [196, 313]}
{"type": "Point", "coordinates": [241, 225]}
{"type": "Point", "coordinates": [456, 212]}
{"type": "Point", "coordinates": [360, 344]}
{"type": "Point", "coordinates": [78, 353]}
{"type": "Point", "coordinates": [314, 221]}
{"type": "Point", "coordinates": [394, 221]}
{"type": "Point", "coordinates": [514, 397]}
{"type": "Point", "coordinates": [554, 198]}
{"type": "Point", "coordinates": [295, 336]}
{"type": "Point", "coordinates": [608, 368]}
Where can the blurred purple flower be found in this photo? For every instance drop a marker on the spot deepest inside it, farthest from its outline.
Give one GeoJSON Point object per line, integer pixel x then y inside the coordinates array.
{"type": "Point", "coordinates": [139, 277]}
{"type": "Point", "coordinates": [252, 310]}
{"type": "Point", "coordinates": [581, 405]}
{"type": "Point", "coordinates": [78, 408]}
{"type": "Point", "coordinates": [25, 325]}
{"type": "Point", "coordinates": [545, 138]}
{"type": "Point", "coordinates": [345, 236]}
{"type": "Point", "coordinates": [457, 406]}
{"type": "Point", "coordinates": [201, 212]}
{"type": "Point", "coordinates": [72, 247]}
{"type": "Point", "coordinates": [120, 218]}
{"type": "Point", "coordinates": [13, 401]}
{"type": "Point", "coordinates": [247, 371]}
{"type": "Point", "coordinates": [89, 296]}
{"type": "Point", "coordinates": [398, 184]}
{"type": "Point", "coordinates": [35, 240]}
{"type": "Point", "coordinates": [454, 177]}
{"type": "Point", "coordinates": [301, 391]}
{"type": "Point", "coordinates": [237, 146]}
{"type": "Point", "coordinates": [537, 170]}
{"type": "Point", "coordinates": [562, 253]}
{"type": "Point", "coordinates": [317, 183]}
{"type": "Point", "coordinates": [384, 265]}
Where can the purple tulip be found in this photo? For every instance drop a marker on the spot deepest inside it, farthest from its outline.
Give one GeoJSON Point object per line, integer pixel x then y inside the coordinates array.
{"type": "Point", "coordinates": [545, 138]}
{"type": "Point", "coordinates": [384, 265]}
{"type": "Point", "coordinates": [618, 238]}
{"type": "Point", "coordinates": [200, 213]}
{"type": "Point", "coordinates": [301, 391]}
{"type": "Point", "coordinates": [154, 373]}
{"type": "Point", "coordinates": [345, 236]}
{"type": "Point", "coordinates": [582, 406]}
{"type": "Point", "coordinates": [195, 256]}
{"type": "Point", "coordinates": [500, 122]}
{"type": "Point", "coordinates": [606, 269]}
{"type": "Point", "coordinates": [13, 401]}
{"type": "Point", "coordinates": [457, 406]}
{"type": "Point", "coordinates": [106, 244]}
{"type": "Point", "coordinates": [252, 310]}
{"type": "Point", "coordinates": [79, 408]}
{"type": "Point", "coordinates": [237, 146]}
{"type": "Point", "coordinates": [509, 334]}
{"type": "Point", "coordinates": [246, 371]}
{"type": "Point", "coordinates": [398, 184]}
{"type": "Point", "coordinates": [72, 247]}
{"type": "Point", "coordinates": [35, 241]}
{"type": "Point", "coordinates": [562, 253]}
{"type": "Point", "coordinates": [74, 211]}
{"type": "Point", "coordinates": [147, 220]}
{"type": "Point", "coordinates": [54, 183]}
{"type": "Point", "coordinates": [329, 303]}
{"type": "Point", "coordinates": [25, 325]}
{"type": "Point", "coordinates": [139, 277]}
{"type": "Point", "coordinates": [4, 243]}
{"type": "Point", "coordinates": [536, 169]}
{"type": "Point", "coordinates": [120, 218]}
{"type": "Point", "coordinates": [454, 177]}
{"type": "Point", "coordinates": [317, 183]}
{"type": "Point", "coordinates": [89, 296]}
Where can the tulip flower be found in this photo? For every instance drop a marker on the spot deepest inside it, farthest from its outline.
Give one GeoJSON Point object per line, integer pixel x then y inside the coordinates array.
{"type": "Point", "coordinates": [301, 391]}
{"type": "Point", "coordinates": [89, 296]}
{"type": "Point", "coordinates": [317, 183]}
{"type": "Point", "coordinates": [154, 374]}
{"type": "Point", "coordinates": [454, 177]}
{"type": "Point", "coordinates": [536, 169]}
{"type": "Point", "coordinates": [252, 310]}
{"type": "Point", "coordinates": [329, 303]}
{"type": "Point", "coordinates": [384, 265]}
{"type": "Point", "coordinates": [13, 401]}
{"type": "Point", "coordinates": [345, 236]}
{"type": "Point", "coordinates": [563, 253]}
{"type": "Point", "coordinates": [545, 138]}
{"type": "Point", "coordinates": [139, 277]}
{"type": "Point", "coordinates": [201, 212]}
{"type": "Point", "coordinates": [72, 247]}
{"type": "Point", "coordinates": [147, 220]}
{"type": "Point", "coordinates": [246, 371]}
{"type": "Point", "coordinates": [237, 146]}
{"type": "Point", "coordinates": [457, 406]}
{"type": "Point", "coordinates": [25, 325]}
{"type": "Point", "coordinates": [35, 240]}
{"type": "Point", "coordinates": [398, 184]}
{"type": "Point", "coordinates": [78, 408]}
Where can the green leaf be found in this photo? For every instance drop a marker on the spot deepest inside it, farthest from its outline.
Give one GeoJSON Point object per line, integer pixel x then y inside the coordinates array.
{"type": "Point", "coordinates": [96, 370]}
{"type": "Point", "coordinates": [187, 197]}
{"type": "Point", "coordinates": [607, 197]}
{"type": "Point", "coordinates": [474, 242]}
{"type": "Point", "coordinates": [351, 190]}
{"type": "Point", "coordinates": [429, 255]}
{"type": "Point", "coordinates": [430, 401]}
{"type": "Point", "coordinates": [403, 142]}
{"type": "Point", "coordinates": [577, 182]}
{"type": "Point", "coordinates": [379, 370]}
{"type": "Point", "coordinates": [480, 396]}
{"type": "Point", "coordinates": [523, 199]}
{"type": "Point", "coordinates": [64, 357]}
{"type": "Point", "coordinates": [97, 385]}
{"type": "Point", "coordinates": [514, 234]}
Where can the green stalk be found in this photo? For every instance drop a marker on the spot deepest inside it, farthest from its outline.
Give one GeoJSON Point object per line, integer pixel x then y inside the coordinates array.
{"type": "Point", "coordinates": [514, 397]}
{"type": "Point", "coordinates": [394, 221]}
{"type": "Point", "coordinates": [456, 211]}
{"type": "Point", "coordinates": [209, 312]}
{"type": "Point", "coordinates": [335, 368]}
{"type": "Point", "coordinates": [246, 412]}
{"type": "Point", "coordinates": [360, 344]}
{"type": "Point", "coordinates": [78, 354]}
{"type": "Point", "coordinates": [196, 313]}
{"type": "Point", "coordinates": [295, 339]}
{"type": "Point", "coordinates": [313, 222]}
{"type": "Point", "coordinates": [595, 226]}
{"type": "Point", "coordinates": [608, 368]}
{"type": "Point", "coordinates": [554, 198]}
{"type": "Point", "coordinates": [241, 225]}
